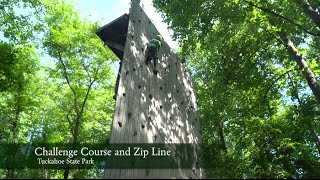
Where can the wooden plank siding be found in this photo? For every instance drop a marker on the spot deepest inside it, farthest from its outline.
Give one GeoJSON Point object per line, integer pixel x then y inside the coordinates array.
{"type": "Point", "coordinates": [153, 108]}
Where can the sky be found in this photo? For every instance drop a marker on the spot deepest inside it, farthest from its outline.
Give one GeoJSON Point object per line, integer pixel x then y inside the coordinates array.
{"type": "Point", "coordinates": [105, 11]}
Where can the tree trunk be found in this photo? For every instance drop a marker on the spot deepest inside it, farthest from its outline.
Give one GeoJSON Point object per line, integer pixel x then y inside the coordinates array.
{"type": "Point", "coordinates": [221, 136]}
{"type": "Point", "coordinates": [310, 77]}
{"type": "Point", "coordinates": [312, 81]}
{"type": "Point", "coordinates": [309, 11]}
{"type": "Point", "coordinates": [316, 138]}
{"type": "Point", "coordinates": [11, 174]}
{"type": "Point", "coordinates": [17, 114]}
{"type": "Point", "coordinates": [66, 173]}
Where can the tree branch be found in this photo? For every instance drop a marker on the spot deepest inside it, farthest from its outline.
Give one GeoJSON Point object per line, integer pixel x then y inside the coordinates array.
{"type": "Point", "coordinates": [68, 81]}
{"type": "Point", "coordinates": [86, 97]}
{"type": "Point", "coordinates": [282, 17]}
{"type": "Point", "coordinates": [79, 114]}
{"type": "Point", "coordinates": [309, 75]}
{"type": "Point", "coordinates": [269, 87]}
{"type": "Point", "coordinates": [313, 14]}
{"type": "Point", "coordinates": [272, 34]}
{"type": "Point", "coordinates": [295, 88]}
{"type": "Point", "coordinates": [314, 134]}
{"type": "Point", "coordinates": [70, 122]}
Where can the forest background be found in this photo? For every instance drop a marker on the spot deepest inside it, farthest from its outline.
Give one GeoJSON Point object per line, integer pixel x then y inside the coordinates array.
{"type": "Point", "coordinates": [254, 63]}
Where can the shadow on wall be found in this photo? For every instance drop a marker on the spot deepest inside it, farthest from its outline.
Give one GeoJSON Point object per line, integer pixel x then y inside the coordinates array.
{"type": "Point", "coordinates": [165, 98]}
{"type": "Point", "coordinates": [153, 107]}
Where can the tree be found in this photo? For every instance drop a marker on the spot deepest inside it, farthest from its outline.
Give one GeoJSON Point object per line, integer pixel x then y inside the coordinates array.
{"type": "Point", "coordinates": [245, 58]}
{"type": "Point", "coordinates": [83, 65]}
{"type": "Point", "coordinates": [17, 26]}
{"type": "Point", "coordinates": [70, 101]}
{"type": "Point", "coordinates": [16, 102]}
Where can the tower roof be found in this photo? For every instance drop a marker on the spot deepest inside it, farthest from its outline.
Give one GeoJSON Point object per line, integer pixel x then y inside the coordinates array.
{"type": "Point", "coordinates": [114, 34]}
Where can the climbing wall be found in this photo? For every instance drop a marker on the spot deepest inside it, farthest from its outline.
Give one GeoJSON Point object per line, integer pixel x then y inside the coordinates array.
{"type": "Point", "coordinates": [153, 107]}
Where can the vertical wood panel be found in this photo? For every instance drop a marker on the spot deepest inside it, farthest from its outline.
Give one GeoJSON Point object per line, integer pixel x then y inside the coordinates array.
{"type": "Point", "coordinates": [152, 108]}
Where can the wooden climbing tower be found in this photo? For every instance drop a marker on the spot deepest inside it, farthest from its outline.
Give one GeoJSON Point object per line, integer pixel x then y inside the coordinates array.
{"type": "Point", "coordinates": [150, 107]}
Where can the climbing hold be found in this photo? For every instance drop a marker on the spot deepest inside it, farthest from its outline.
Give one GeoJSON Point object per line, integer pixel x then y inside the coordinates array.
{"type": "Point", "coordinates": [142, 49]}
{"type": "Point", "coordinates": [120, 124]}
{"type": "Point", "coordinates": [181, 102]}
{"type": "Point", "coordinates": [129, 115]}
{"type": "Point", "coordinates": [170, 99]}
{"type": "Point", "coordinates": [135, 133]}
{"type": "Point", "coordinates": [161, 107]}
{"type": "Point", "coordinates": [176, 63]}
{"type": "Point", "coordinates": [155, 72]}
{"type": "Point", "coordinates": [139, 20]}
{"type": "Point", "coordinates": [160, 88]}
{"type": "Point", "coordinates": [189, 93]}
{"type": "Point", "coordinates": [177, 91]}
{"type": "Point", "coordinates": [188, 112]}
{"type": "Point", "coordinates": [127, 72]}
{"type": "Point", "coordinates": [124, 94]}
{"type": "Point", "coordinates": [150, 96]}
{"type": "Point", "coordinates": [142, 126]}
{"type": "Point", "coordinates": [155, 137]}
{"type": "Point", "coordinates": [134, 69]}
{"type": "Point", "coordinates": [139, 86]}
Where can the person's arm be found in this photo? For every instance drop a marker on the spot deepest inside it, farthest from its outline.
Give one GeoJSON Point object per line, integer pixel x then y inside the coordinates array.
{"type": "Point", "coordinates": [159, 45]}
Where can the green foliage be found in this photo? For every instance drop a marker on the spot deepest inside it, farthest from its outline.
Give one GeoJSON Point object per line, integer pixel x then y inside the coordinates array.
{"type": "Point", "coordinates": [7, 61]}
{"type": "Point", "coordinates": [16, 102]}
{"type": "Point", "coordinates": [258, 116]}
{"type": "Point", "coordinates": [82, 63]}
{"type": "Point", "coordinates": [56, 80]}
{"type": "Point", "coordinates": [251, 95]}
{"type": "Point", "coordinates": [18, 20]}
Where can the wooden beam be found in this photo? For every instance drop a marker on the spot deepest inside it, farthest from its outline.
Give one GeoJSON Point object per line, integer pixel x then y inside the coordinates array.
{"type": "Point", "coordinates": [114, 45]}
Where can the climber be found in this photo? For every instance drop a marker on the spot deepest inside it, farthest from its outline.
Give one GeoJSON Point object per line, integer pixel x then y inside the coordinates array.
{"type": "Point", "coordinates": [153, 49]}
{"type": "Point", "coordinates": [182, 59]}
